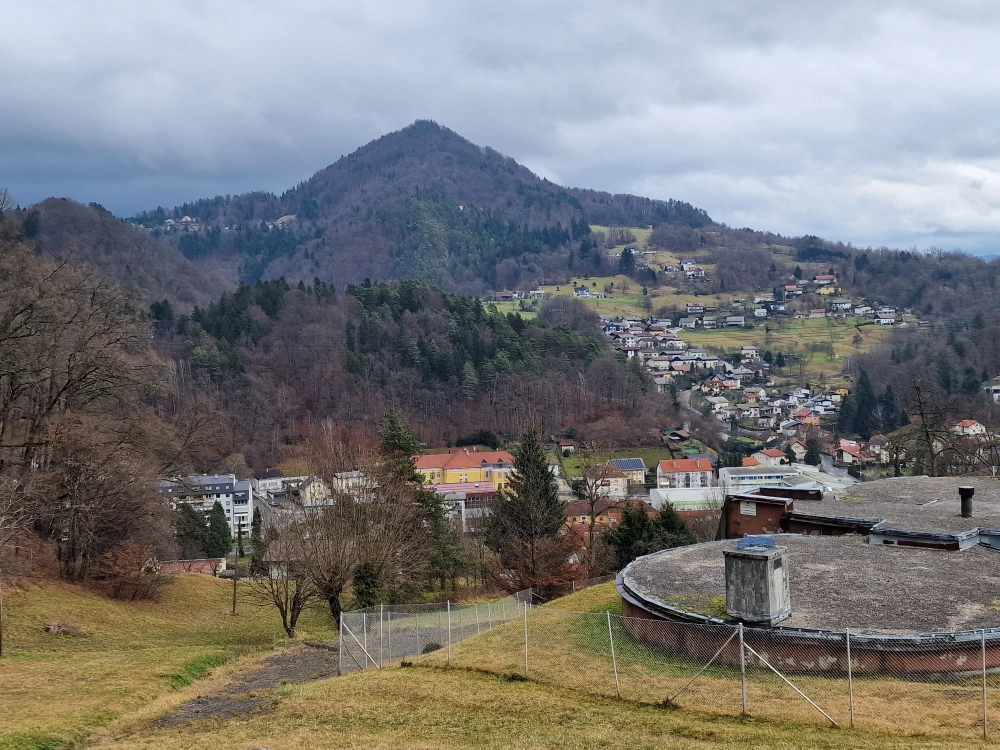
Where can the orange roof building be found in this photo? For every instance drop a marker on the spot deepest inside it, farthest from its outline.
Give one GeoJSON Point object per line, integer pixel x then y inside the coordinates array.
{"type": "Point", "coordinates": [466, 465]}
{"type": "Point", "coordinates": [680, 473]}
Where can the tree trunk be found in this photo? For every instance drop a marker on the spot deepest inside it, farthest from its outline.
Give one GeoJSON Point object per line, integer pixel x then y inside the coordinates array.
{"type": "Point", "coordinates": [335, 609]}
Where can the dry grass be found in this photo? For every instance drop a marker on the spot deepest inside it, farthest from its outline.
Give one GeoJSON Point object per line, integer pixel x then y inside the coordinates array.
{"type": "Point", "coordinates": [56, 687]}
{"type": "Point", "coordinates": [569, 647]}
{"type": "Point", "coordinates": [431, 708]}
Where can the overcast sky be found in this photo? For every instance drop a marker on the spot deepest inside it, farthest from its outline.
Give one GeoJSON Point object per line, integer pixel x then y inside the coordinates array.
{"type": "Point", "coordinates": [872, 123]}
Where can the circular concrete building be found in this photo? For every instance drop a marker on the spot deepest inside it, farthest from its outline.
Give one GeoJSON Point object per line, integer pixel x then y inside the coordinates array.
{"type": "Point", "coordinates": [915, 583]}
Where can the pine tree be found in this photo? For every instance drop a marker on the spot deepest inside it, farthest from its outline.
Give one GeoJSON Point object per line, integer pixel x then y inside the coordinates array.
{"type": "Point", "coordinates": [530, 508]}
{"type": "Point", "coordinates": [638, 534]}
{"type": "Point", "coordinates": [789, 454]}
{"type": "Point", "coordinates": [847, 417]}
{"type": "Point", "coordinates": [219, 540]}
{"type": "Point", "coordinates": [866, 403]}
{"type": "Point", "coordinates": [813, 457]}
{"type": "Point", "coordinates": [189, 532]}
{"type": "Point", "coordinates": [256, 542]}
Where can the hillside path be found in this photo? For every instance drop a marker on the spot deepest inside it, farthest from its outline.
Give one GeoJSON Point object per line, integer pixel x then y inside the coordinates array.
{"type": "Point", "coordinates": [300, 663]}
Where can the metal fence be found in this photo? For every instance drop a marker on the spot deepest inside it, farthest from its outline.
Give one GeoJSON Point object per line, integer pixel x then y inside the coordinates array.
{"type": "Point", "coordinates": [938, 684]}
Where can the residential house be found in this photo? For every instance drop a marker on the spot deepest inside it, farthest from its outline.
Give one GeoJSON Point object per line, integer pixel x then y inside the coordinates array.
{"type": "Point", "coordinates": [694, 308]}
{"type": "Point", "coordinates": [695, 272]}
{"type": "Point", "coordinates": [791, 290]}
{"type": "Point", "coordinates": [606, 514]}
{"type": "Point", "coordinates": [824, 279]}
{"type": "Point", "coordinates": [798, 450]}
{"type": "Point", "coordinates": [969, 427]}
{"type": "Point", "coordinates": [885, 319]}
{"type": "Point", "coordinates": [607, 481]}
{"type": "Point", "coordinates": [735, 321]}
{"type": "Point", "coordinates": [634, 469]}
{"type": "Point", "coordinates": [314, 493]}
{"type": "Point", "coordinates": [760, 312]}
{"type": "Point", "coordinates": [268, 481]}
{"type": "Point", "coordinates": [709, 322]}
{"type": "Point", "coordinates": [581, 291]}
{"type": "Point", "coordinates": [684, 472]}
{"type": "Point", "coordinates": [771, 457]}
{"type": "Point", "coordinates": [817, 313]}
{"type": "Point", "coordinates": [841, 305]}
{"type": "Point", "coordinates": [807, 416]}
{"type": "Point", "coordinates": [688, 323]}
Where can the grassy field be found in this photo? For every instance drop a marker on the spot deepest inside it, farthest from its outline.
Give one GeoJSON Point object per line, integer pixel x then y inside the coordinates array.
{"type": "Point", "coordinates": [426, 706]}
{"type": "Point", "coordinates": [650, 457]}
{"type": "Point", "coordinates": [139, 661]}
{"type": "Point", "coordinates": [795, 337]}
{"type": "Point", "coordinates": [55, 688]}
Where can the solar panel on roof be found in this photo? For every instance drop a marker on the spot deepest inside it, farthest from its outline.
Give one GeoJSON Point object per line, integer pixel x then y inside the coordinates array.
{"type": "Point", "coordinates": [628, 464]}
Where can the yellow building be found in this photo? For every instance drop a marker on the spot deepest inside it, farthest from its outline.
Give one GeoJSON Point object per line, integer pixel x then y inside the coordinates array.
{"type": "Point", "coordinates": [466, 465]}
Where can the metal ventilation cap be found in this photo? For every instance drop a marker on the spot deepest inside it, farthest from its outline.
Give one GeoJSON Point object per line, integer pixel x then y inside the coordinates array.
{"type": "Point", "coordinates": [756, 541]}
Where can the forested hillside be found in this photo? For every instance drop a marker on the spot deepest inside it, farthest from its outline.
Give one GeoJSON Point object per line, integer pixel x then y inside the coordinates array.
{"type": "Point", "coordinates": [90, 236]}
{"type": "Point", "coordinates": [274, 360]}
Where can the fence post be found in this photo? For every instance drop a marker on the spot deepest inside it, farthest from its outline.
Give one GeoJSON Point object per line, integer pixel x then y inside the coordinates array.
{"type": "Point", "coordinates": [388, 632]}
{"type": "Point", "coordinates": [743, 671]}
{"type": "Point", "coordinates": [489, 614]}
{"type": "Point", "coordinates": [449, 632]}
{"type": "Point", "coordinates": [985, 729]}
{"type": "Point", "coordinates": [340, 647]}
{"type": "Point", "coordinates": [850, 675]}
{"type": "Point", "coordinates": [364, 635]}
{"type": "Point", "coordinates": [614, 661]}
{"type": "Point", "coordinates": [525, 639]}
{"type": "Point", "coordinates": [478, 629]}
{"type": "Point", "coordinates": [381, 615]}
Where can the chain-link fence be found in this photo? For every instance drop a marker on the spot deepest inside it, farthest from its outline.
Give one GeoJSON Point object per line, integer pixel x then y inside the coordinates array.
{"type": "Point", "coordinates": [946, 683]}
{"type": "Point", "coordinates": [375, 636]}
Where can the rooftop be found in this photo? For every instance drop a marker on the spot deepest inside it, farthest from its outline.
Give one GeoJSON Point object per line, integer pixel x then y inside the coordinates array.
{"type": "Point", "coordinates": [840, 582]}
{"type": "Point", "coordinates": [629, 464]}
{"type": "Point", "coordinates": [915, 503]}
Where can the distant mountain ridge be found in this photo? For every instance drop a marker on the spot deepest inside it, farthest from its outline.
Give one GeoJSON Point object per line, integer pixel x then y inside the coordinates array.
{"type": "Point", "coordinates": [422, 203]}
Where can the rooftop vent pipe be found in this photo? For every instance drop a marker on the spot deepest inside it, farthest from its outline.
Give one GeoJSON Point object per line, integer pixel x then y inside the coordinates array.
{"type": "Point", "coordinates": [966, 493]}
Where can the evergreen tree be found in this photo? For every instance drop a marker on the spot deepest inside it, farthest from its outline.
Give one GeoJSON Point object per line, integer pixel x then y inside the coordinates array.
{"type": "Point", "coordinates": [813, 457]}
{"type": "Point", "coordinates": [219, 540]}
{"type": "Point", "coordinates": [847, 416]}
{"type": "Point", "coordinates": [256, 542]}
{"type": "Point", "coordinates": [626, 263]}
{"type": "Point", "coordinates": [368, 589]}
{"type": "Point", "coordinates": [530, 508]}
{"type": "Point", "coordinates": [189, 532]}
{"type": "Point", "coordinates": [789, 454]}
{"type": "Point", "coordinates": [638, 534]}
{"type": "Point", "coordinates": [865, 406]}
{"type": "Point", "coordinates": [779, 360]}
{"type": "Point", "coordinates": [399, 445]}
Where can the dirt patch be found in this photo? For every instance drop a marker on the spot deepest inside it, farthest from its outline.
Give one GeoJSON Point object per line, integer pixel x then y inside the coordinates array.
{"type": "Point", "coordinates": [241, 696]}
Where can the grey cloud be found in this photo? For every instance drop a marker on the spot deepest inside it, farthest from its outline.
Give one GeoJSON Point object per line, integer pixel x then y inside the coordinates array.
{"type": "Point", "coordinates": [871, 123]}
